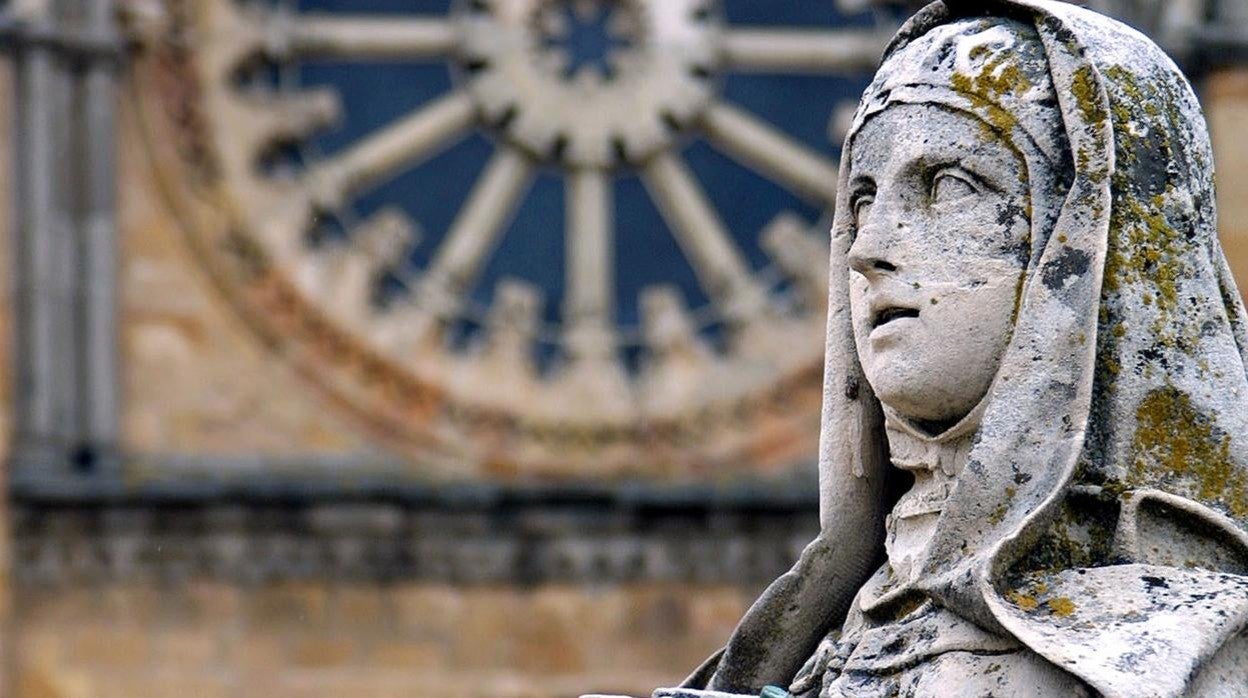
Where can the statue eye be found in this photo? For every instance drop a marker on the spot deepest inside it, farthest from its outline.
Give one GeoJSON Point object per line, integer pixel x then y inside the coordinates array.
{"type": "Point", "coordinates": [952, 185]}
{"type": "Point", "coordinates": [862, 207]}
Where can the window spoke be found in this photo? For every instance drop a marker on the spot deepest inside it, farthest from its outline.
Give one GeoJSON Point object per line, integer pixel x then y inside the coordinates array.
{"type": "Point", "coordinates": [762, 147]}
{"type": "Point", "coordinates": [718, 263]}
{"type": "Point", "coordinates": [803, 50]}
{"type": "Point", "coordinates": [403, 144]}
{"type": "Point", "coordinates": [370, 37]}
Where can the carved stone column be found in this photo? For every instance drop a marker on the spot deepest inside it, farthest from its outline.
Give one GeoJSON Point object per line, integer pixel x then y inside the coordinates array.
{"type": "Point", "coordinates": [42, 418]}
{"type": "Point", "coordinates": [95, 225]}
{"type": "Point", "coordinates": [66, 400]}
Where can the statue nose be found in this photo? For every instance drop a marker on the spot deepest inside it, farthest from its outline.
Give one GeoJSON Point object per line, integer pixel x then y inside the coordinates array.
{"type": "Point", "coordinates": [871, 256]}
{"type": "Point", "coordinates": [874, 252]}
{"type": "Point", "coordinates": [871, 266]}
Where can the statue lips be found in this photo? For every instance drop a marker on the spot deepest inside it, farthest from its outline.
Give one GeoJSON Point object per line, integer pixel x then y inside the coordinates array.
{"type": "Point", "coordinates": [889, 317]}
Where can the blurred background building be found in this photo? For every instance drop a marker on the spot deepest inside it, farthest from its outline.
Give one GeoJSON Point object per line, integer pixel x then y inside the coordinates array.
{"type": "Point", "coordinates": [417, 347]}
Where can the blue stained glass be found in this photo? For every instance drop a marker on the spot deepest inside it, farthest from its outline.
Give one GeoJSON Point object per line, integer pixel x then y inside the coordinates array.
{"type": "Point", "coordinates": [532, 247]}
{"type": "Point", "coordinates": [646, 253]}
{"type": "Point", "coordinates": [587, 40]}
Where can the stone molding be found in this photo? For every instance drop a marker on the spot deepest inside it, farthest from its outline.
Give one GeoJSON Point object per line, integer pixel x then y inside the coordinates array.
{"type": "Point", "coordinates": [383, 542]}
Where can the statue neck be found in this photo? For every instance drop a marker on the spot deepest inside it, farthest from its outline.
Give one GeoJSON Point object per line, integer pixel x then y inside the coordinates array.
{"type": "Point", "coordinates": [912, 449]}
{"type": "Point", "coordinates": [935, 461]}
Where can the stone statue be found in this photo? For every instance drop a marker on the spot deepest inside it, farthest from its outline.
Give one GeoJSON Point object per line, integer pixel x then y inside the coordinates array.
{"type": "Point", "coordinates": [1036, 401]}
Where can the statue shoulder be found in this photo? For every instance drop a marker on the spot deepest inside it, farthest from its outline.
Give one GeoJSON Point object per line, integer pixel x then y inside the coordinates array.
{"type": "Point", "coordinates": [1124, 626]}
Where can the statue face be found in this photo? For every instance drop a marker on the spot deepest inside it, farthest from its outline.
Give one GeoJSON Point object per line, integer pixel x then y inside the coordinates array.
{"type": "Point", "coordinates": [942, 241]}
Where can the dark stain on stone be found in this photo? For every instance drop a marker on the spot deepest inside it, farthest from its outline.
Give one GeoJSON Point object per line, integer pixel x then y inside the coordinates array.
{"type": "Point", "coordinates": [851, 387]}
{"type": "Point", "coordinates": [1152, 168]}
{"type": "Point", "coordinates": [1065, 390]}
{"type": "Point", "coordinates": [1070, 262]}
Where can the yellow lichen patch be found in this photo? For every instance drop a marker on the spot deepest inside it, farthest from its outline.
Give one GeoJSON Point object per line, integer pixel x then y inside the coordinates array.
{"type": "Point", "coordinates": [1176, 443]}
{"type": "Point", "coordinates": [1126, 81]}
{"type": "Point", "coordinates": [1061, 606]}
{"type": "Point", "coordinates": [997, 122]}
{"type": "Point", "coordinates": [1074, 541]}
{"type": "Point", "coordinates": [1122, 115]}
{"type": "Point", "coordinates": [1152, 251]}
{"type": "Point", "coordinates": [998, 514]}
{"type": "Point", "coordinates": [995, 79]}
{"type": "Point", "coordinates": [963, 83]}
{"type": "Point", "coordinates": [1087, 96]}
{"type": "Point", "coordinates": [906, 606]}
{"type": "Point", "coordinates": [1004, 81]}
{"type": "Point", "coordinates": [1023, 601]}
{"type": "Point", "coordinates": [1019, 286]}
{"type": "Point", "coordinates": [1146, 250]}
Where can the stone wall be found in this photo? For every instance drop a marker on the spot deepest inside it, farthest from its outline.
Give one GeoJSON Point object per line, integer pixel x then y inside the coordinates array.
{"type": "Point", "coordinates": [208, 639]}
{"type": "Point", "coordinates": [196, 381]}
{"type": "Point", "coordinates": [375, 599]}
{"type": "Point", "coordinates": [1225, 97]}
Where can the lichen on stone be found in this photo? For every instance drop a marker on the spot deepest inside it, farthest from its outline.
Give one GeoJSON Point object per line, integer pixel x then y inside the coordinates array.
{"type": "Point", "coordinates": [1178, 442]}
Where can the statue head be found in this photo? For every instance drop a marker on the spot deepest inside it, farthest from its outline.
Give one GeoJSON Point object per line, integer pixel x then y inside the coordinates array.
{"type": "Point", "coordinates": [940, 248]}
{"type": "Point", "coordinates": [939, 205]}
